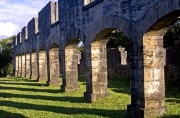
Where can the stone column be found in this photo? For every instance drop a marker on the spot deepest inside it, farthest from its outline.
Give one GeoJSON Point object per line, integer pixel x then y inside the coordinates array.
{"type": "Point", "coordinates": [54, 66]}
{"type": "Point", "coordinates": [147, 79]}
{"type": "Point", "coordinates": [17, 66]}
{"type": "Point", "coordinates": [23, 66]}
{"type": "Point", "coordinates": [43, 66]}
{"type": "Point", "coordinates": [154, 86]}
{"type": "Point", "coordinates": [27, 65]}
{"type": "Point", "coordinates": [20, 66]}
{"type": "Point", "coordinates": [34, 65]}
{"type": "Point", "coordinates": [123, 56]}
{"type": "Point", "coordinates": [99, 71]}
{"type": "Point", "coordinates": [71, 68]}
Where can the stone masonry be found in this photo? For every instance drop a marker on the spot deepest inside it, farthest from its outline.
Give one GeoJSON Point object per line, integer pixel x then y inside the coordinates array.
{"type": "Point", "coordinates": [55, 33]}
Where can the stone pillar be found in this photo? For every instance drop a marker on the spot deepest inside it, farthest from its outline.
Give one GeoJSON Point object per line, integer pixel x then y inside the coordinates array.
{"type": "Point", "coordinates": [27, 65]}
{"type": "Point", "coordinates": [43, 66]}
{"type": "Point", "coordinates": [99, 71]}
{"type": "Point", "coordinates": [71, 68]}
{"type": "Point", "coordinates": [148, 92]}
{"type": "Point", "coordinates": [88, 93]}
{"type": "Point", "coordinates": [54, 66]}
{"type": "Point", "coordinates": [23, 66]}
{"type": "Point", "coordinates": [34, 65]}
{"type": "Point", "coordinates": [20, 66]}
{"type": "Point", "coordinates": [123, 56]}
{"type": "Point", "coordinates": [17, 66]}
{"type": "Point", "coordinates": [154, 86]}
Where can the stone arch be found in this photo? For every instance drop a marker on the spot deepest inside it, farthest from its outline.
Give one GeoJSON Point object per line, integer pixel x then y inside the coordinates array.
{"type": "Point", "coordinates": [97, 84]}
{"type": "Point", "coordinates": [108, 22]}
{"type": "Point", "coordinates": [151, 18]}
{"type": "Point", "coordinates": [54, 64]}
{"type": "Point", "coordinates": [148, 91]}
{"type": "Point", "coordinates": [98, 30]}
{"type": "Point", "coordinates": [71, 58]}
{"type": "Point", "coordinates": [74, 33]}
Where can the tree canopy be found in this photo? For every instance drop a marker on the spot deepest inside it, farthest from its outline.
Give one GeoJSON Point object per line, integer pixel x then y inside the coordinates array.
{"type": "Point", "coordinates": [6, 56]}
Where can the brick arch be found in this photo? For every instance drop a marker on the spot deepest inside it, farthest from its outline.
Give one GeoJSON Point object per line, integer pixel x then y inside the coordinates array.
{"type": "Point", "coordinates": [157, 19]}
{"type": "Point", "coordinates": [107, 24]}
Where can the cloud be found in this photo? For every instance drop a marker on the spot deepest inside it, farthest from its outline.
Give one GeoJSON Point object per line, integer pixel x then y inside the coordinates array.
{"type": "Point", "coordinates": [8, 29]}
{"type": "Point", "coordinates": [16, 14]}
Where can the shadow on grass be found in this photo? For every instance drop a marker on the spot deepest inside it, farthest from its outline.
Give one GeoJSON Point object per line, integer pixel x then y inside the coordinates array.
{"type": "Point", "coordinates": [66, 110]}
{"type": "Point", "coordinates": [40, 97]}
{"type": "Point", "coordinates": [27, 84]}
{"type": "Point", "coordinates": [174, 100]}
{"type": "Point", "coordinates": [31, 89]}
{"type": "Point", "coordinates": [5, 114]}
{"type": "Point", "coordinates": [171, 116]}
{"type": "Point", "coordinates": [119, 85]}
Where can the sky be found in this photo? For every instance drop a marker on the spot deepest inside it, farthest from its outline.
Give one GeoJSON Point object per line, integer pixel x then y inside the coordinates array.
{"type": "Point", "coordinates": [15, 14]}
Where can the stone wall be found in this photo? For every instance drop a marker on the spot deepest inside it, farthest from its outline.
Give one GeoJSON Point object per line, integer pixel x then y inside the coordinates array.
{"type": "Point", "coordinates": [115, 68]}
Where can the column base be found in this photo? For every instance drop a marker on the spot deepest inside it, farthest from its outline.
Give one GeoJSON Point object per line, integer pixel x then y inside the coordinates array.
{"type": "Point", "coordinates": [135, 112]}
{"type": "Point", "coordinates": [53, 82]}
{"type": "Point", "coordinates": [90, 98]}
{"type": "Point", "coordinates": [69, 88]}
{"type": "Point", "coordinates": [34, 78]}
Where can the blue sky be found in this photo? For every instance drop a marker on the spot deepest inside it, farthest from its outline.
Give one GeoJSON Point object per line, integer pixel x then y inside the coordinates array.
{"type": "Point", "coordinates": [15, 14]}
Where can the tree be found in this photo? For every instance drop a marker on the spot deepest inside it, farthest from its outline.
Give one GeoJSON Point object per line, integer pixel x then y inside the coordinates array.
{"type": "Point", "coordinates": [172, 34]}
{"type": "Point", "coordinates": [6, 56]}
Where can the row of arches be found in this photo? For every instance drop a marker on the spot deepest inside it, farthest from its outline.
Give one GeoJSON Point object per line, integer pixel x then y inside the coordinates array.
{"type": "Point", "coordinates": [146, 54]}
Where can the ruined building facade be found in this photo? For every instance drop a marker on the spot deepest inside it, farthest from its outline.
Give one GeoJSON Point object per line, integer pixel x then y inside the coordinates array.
{"type": "Point", "coordinates": [47, 46]}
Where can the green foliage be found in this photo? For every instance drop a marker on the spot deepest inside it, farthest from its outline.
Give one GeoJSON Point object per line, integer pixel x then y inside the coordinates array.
{"type": "Point", "coordinates": [118, 39]}
{"type": "Point", "coordinates": [80, 49]}
{"type": "Point", "coordinates": [172, 34]}
{"type": "Point", "coordinates": [6, 56]}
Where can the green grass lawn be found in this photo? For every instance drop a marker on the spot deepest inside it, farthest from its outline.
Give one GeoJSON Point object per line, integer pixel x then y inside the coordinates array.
{"type": "Point", "coordinates": [22, 98]}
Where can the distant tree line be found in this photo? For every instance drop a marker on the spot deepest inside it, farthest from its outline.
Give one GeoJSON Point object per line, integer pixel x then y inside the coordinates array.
{"type": "Point", "coordinates": [6, 57]}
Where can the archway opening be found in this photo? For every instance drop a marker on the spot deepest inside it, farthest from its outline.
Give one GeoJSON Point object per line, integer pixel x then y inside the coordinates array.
{"type": "Point", "coordinates": [109, 56]}
{"type": "Point", "coordinates": [54, 64]}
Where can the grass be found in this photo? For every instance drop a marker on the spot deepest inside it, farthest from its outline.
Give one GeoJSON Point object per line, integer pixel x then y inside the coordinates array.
{"type": "Point", "coordinates": [22, 98]}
